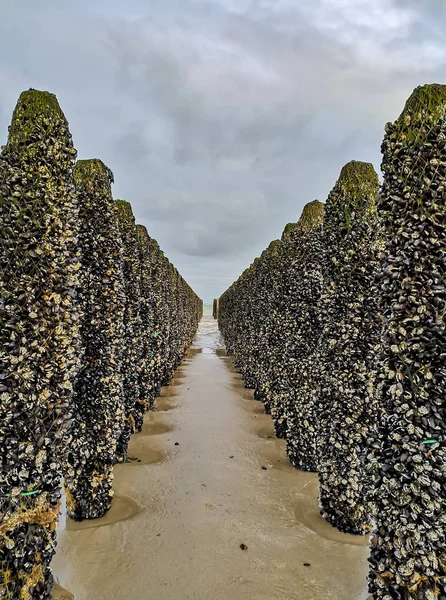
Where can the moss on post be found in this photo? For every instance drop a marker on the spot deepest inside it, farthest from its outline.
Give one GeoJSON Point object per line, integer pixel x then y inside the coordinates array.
{"type": "Point", "coordinates": [38, 337]}
{"type": "Point", "coordinates": [98, 403]}
{"type": "Point", "coordinates": [35, 116]}
{"type": "Point", "coordinates": [312, 216]}
{"type": "Point", "coordinates": [288, 229]}
{"type": "Point", "coordinates": [425, 103]}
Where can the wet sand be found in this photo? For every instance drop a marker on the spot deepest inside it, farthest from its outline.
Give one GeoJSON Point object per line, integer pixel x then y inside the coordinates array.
{"type": "Point", "coordinates": [60, 594]}
{"type": "Point", "coordinates": [177, 522]}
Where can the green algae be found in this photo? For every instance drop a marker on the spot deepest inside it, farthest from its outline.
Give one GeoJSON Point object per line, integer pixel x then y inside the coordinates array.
{"type": "Point", "coordinates": [155, 245]}
{"type": "Point", "coordinates": [270, 251]}
{"type": "Point", "coordinates": [289, 227]}
{"type": "Point", "coordinates": [425, 106]}
{"type": "Point", "coordinates": [143, 235]}
{"type": "Point", "coordinates": [312, 216]}
{"type": "Point", "coordinates": [124, 208]}
{"type": "Point", "coordinates": [358, 180]}
{"type": "Point", "coordinates": [92, 172]}
{"type": "Point", "coordinates": [274, 247]}
{"type": "Point", "coordinates": [34, 112]}
{"type": "Point", "coordinates": [357, 189]}
{"type": "Point", "coordinates": [430, 98]}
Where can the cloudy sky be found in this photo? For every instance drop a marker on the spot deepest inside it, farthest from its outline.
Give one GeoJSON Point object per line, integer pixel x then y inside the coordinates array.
{"type": "Point", "coordinates": [221, 118]}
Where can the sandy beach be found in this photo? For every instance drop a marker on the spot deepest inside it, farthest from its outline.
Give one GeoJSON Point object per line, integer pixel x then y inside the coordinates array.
{"type": "Point", "coordinates": [195, 490]}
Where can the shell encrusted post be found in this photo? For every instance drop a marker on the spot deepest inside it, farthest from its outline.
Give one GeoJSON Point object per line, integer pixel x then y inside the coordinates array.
{"type": "Point", "coordinates": [352, 243]}
{"type": "Point", "coordinates": [98, 403]}
{"type": "Point", "coordinates": [148, 384]}
{"type": "Point", "coordinates": [169, 312]}
{"type": "Point", "coordinates": [302, 328]}
{"type": "Point", "coordinates": [407, 458]}
{"type": "Point", "coordinates": [38, 337]}
{"type": "Point", "coordinates": [130, 361]}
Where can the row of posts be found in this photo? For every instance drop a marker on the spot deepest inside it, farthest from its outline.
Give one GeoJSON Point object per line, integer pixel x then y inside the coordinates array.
{"type": "Point", "coordinates": [340, 327]}
{"type": "Point", "coordinates": [94, 320]}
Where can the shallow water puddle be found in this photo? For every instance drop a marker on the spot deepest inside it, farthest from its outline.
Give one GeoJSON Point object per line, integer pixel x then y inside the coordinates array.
{"type": "Point", "coordinates": [220, 479]}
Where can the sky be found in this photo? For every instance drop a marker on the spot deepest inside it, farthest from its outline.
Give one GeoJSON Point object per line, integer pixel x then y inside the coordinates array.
{"type": "Point", "coordinates": [221, 119]}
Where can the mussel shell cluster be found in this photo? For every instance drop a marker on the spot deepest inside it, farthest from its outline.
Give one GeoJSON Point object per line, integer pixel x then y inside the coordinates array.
{"type": "Point", "coordinates": [148, 382]}
{"type": "Point", "coordinates": [177, 313]}
{"type": "Point", "coordinates": [365, 400]}
{"type": "Point", "coordinates": [131, 347]}
{"type": "Point", "coordinates": [134, 331]}
{"type": "Point", "coordinates": [98, 413]}
{"type": "Point", "coordinates": [38, 336]}
{"type": "Point", "coordinates": [170, 312]}
{"type": "Point", "coordinates": [299, 323]}
{"type": "Point", "coordinates": [300, 335]}
{"type": "Point", "coordinates": [161, 316]}
{"type": "Point", "coordinates": [407, 450]}
{"type": "Point", "coordinates": [269, 320]}
{"type": "Point", "coordinates": [87, 337]}
{"type": "Point", "coordinates": [352, 243]}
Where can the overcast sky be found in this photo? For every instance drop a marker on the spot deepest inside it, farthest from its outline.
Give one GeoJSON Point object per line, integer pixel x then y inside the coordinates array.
{"type": "Point", "coordinates": [221, 118]}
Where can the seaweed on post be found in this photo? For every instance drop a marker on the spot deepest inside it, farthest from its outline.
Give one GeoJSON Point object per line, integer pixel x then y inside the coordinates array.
{"type": "Point", "coordinates": [98, 403]}
{"type": "Point", "coordinates": [38, 337]}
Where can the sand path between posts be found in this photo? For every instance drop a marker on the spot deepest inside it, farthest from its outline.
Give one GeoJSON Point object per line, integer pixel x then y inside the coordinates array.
{"type": "Point", "coordinates": [182, 511]}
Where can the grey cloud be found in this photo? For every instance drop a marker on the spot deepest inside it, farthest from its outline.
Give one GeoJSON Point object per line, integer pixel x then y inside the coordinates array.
{"type": "Point", "coordinates": [221, 118]}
